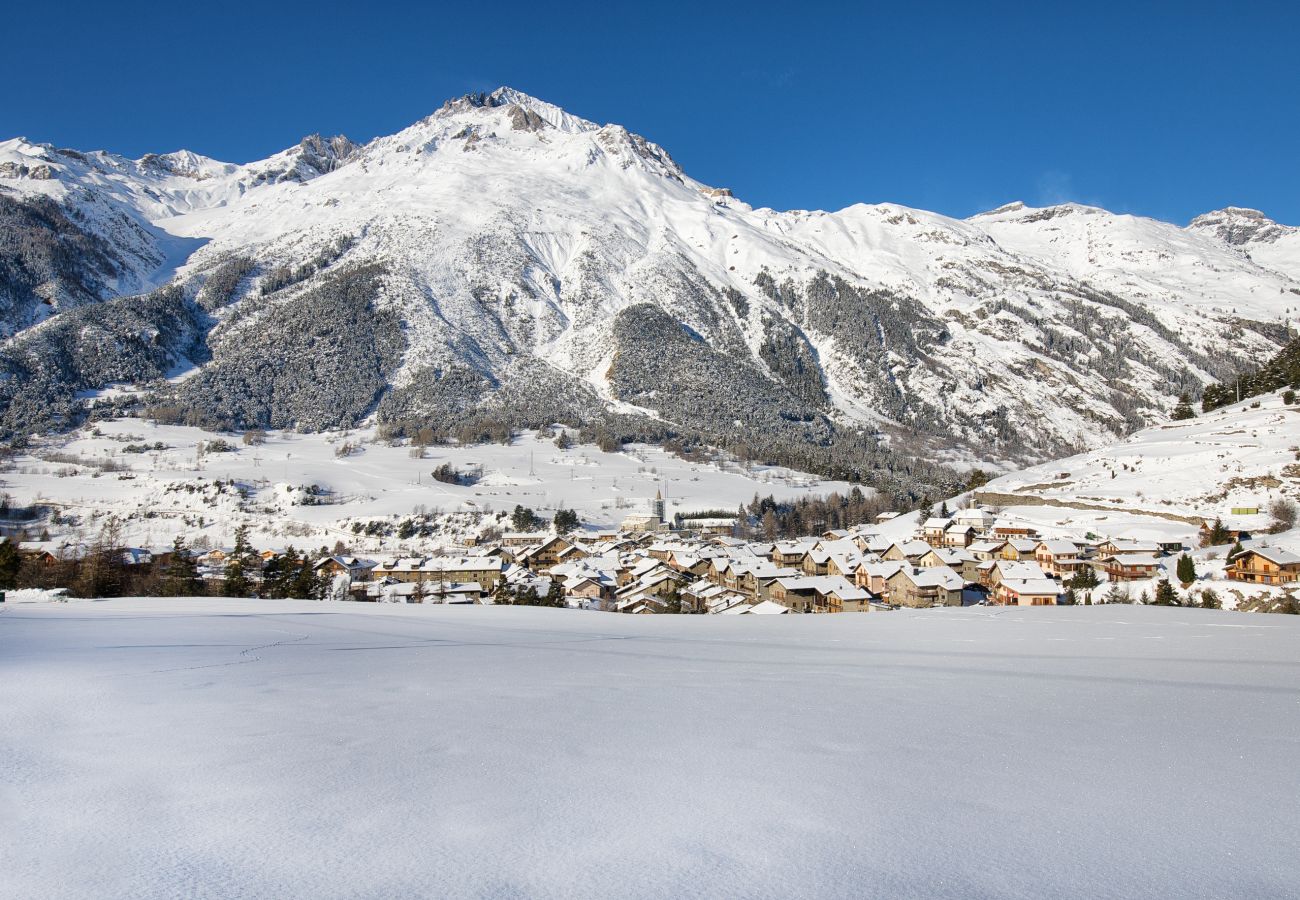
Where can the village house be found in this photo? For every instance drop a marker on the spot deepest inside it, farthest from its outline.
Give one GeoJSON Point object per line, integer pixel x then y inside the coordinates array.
{"type": "Point", "coordinates": [791, 553]}
{"type": "Point", "coordinates": [1114, 546]}
{"type": "Point", "coordinates": [976, 517]}
{"type": "Point", "coordinates": [551, 551]}
{"type": "Point", "coordinates": [1060, 559]}
{"type": "Point", "coordinates": [932, 530]}
{"type": "Point", "coordinates": [1130, 566]}
{"type": "Point", "coordinates": [912, 587]}
{"type": "Point", "coordinates": [909, 551]}
{"type": "Point", "coordinates": [355, 568]}
{"type": "Point", "coordinates": [1019, 548]}
{"type": "Point", "coordinates": [986, 550]}
{"type": "Point", "coordinates": [1264, 565]}
{"type": "Point", "coordinates": [522, 538]}
{"type": "Point", "coordinates": [1010, 532]}
{"type": "Point", "coordinates": [959, 560]}
{"type": "Point", "coordinates": [875, 576]}
{"type": "Point", "coordinates": [1026, 592]}
{"type": "Point", "coordinates": [482, 570]}
{"type": "Point", "coordinates": [959, 535]}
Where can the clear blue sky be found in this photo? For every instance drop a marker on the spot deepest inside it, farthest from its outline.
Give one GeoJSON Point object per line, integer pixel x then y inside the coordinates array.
{"type": "Point", "coordinates": [1162, 109]}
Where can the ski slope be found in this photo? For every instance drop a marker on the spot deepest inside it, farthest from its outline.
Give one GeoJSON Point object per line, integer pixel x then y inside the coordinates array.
{"type": "Point", "coordinates": [222, 748]}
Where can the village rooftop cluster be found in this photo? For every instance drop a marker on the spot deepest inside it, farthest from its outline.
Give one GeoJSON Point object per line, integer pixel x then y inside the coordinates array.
{"type": "Point", "coordinates": [968, 557]}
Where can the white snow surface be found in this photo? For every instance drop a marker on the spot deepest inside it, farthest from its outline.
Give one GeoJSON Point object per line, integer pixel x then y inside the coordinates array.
{"type": "Point", "coordinates": [161, 493]}
{"type": "Point", "coordinates": [230, 748]}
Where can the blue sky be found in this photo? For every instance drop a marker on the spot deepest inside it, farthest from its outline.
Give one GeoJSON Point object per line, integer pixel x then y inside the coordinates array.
{"type": "Point", "coordinates": [1161, 109]}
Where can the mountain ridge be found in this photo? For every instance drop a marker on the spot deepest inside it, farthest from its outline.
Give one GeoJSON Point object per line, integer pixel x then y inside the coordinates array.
{"type": "Point", "coordinates": [508, 239]}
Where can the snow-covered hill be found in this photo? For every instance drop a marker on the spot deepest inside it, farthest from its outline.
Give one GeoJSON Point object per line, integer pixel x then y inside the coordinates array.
{"type": "Point", "coordinates": [504, 258]}
{"type": "Point", "coordinates": [311, 490]}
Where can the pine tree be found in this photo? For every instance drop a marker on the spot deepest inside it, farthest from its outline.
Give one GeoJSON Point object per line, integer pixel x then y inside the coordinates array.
{"type": "Point", "coordinates": [566, 520]}
{"type": "Point", "coordinates": [1165, 594]}
{"type": "Point", "coordinates": [237, 582]}
{"type": "Point", "coordinates": [1085, 578]}
{"type": "Point", "coordinates": [1218, 535]}
{"type": "Point", "coordinates": [181, 578]}
{"type": "Point", "coordinates": [1184, 409]}
{"type": "Point", "coordinates": [10, 562]}
{"type": "Point", "coordinates": [555, 594]}
{"type": "Point", "coordinates": [944, 512]}
{"type": "Point", "coordinates": [1186, 571]}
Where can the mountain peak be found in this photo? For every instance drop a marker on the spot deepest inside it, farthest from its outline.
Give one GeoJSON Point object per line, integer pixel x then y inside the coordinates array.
{"type": "Point", "coordinates": [534, 114]}
{"type": "Point", "coordinates": [1238, 225]}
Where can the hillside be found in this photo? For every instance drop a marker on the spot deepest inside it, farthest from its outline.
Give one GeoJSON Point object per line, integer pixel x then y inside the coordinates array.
{"type": "Point", "coordinates": [504, 260]}
{"type": "Point", "coordinates": [312, 490]}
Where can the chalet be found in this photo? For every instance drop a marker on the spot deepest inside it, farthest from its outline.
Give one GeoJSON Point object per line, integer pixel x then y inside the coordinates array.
{"type": "Point", "coordinates": [1265, 565]}
{"type": "Point", "coordinates": [815, 562]}
{"type": "Point", "coordinates": [882, 518]}
{"type": "Point", "coordinates": [1116, 546]}
{"type": "Point", "coordinates": [932, 530]}
{"type": "Point", "coordinates": [42, 555]}
{"type": "Point", "coordinates": [1060, 559]}
{"type": "Point", "coordinates": [1237, 531]}
{"type": "Point", "coordinates": [1027, 592]}
{"type": "Point", "coordinates": [818, 594]}
{"type": "Point", "coordinates": [960, 561]}
{"type": "Point", "coordinates": [791, 553]}
{"type": "Point", "coordinates": [546, 554]}
{"type": "Point", "coordinates": [717, 525]}
{"type": "Point", "coordinates": [521, 538]}
{"type": "Point", "coordinates": [1009, 532]}
{"type": "Point", "coordinates": [585, 587]}
{"type": "Point", "coordinates": [1011, 570]}
{"type": "Point", "coordinates": [1130, 566]}
{"type": "Point", "coordinates": [1019, 548]}
{"type": "Point", "coordinates": [875, 576]}
{"type": "Point", "coordinates": [959, 535]}
{"type": "Point", "coordinates": [986, 550]}
{"type": "Point", "coordinates": [910, 551]}
{"type": "Point", "coordinates": [975, 517]}
{"type": "Point", "coordinates": [483, 570]}
{"type": "Point", "coordinates": [355, 568]}
{"type": "Point", "coordinates": [912, 587]}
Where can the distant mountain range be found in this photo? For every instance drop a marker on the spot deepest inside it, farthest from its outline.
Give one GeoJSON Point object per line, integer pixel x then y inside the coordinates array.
{"type": "Point", "coordinates": [504, 260]}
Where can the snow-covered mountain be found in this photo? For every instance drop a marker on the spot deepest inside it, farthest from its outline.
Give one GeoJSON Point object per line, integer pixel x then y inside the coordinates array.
{"type": "Point", "coordinates": [504, 258]}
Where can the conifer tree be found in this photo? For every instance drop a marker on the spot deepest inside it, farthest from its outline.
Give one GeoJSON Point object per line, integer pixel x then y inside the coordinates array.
{"type": "Point", "coordinates": [238, 582]}
{"type": "Point", "coordinates": [10, 562]}
{"type": "Point", "coordinates": [1184, 409]}
{"type": "Point", "coordinates": [1186, 571]}
{"type": "Point", "coordinates": [1165, 594]}
{"type": "Point", "coordinates": [181, 578]}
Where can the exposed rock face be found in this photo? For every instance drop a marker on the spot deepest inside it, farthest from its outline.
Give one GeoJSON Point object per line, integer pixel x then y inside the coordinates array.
{"type": "Point", "coordinates": [1239, 226]}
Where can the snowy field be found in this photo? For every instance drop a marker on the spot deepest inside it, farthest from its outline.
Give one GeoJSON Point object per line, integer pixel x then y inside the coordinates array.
{"type": "Point", "coordinates": [372, 480]}
{"type": "Point", "coordinates": [223, 748]}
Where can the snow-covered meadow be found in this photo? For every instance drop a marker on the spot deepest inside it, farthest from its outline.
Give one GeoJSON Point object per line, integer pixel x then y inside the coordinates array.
{"type": "Point", "coordinates": [90, 476]}
{"type": "Point", "coordinates": [223, 748]}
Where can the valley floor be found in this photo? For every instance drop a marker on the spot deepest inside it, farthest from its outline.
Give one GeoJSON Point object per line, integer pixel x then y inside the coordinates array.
{"type": "Point", "coordinates": [222, 748]}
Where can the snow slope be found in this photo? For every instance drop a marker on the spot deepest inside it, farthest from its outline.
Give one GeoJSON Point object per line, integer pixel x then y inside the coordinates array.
{"type": "Point", "coordinates": [160, 748]}
{"type": "Point", "coordinates": [161, 493]}
{"type": "Point", "coordinates": [511, 231]}
{"type": "Point", "coordinates": [1172, 476]}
